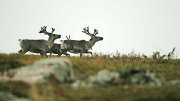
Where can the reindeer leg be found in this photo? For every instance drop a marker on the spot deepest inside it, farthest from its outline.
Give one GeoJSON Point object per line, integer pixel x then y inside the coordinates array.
{"type": "Point", "coordinates": [46, 56]}
{"type": "Point", "coordinates": [20, 51]}
{"type": "Point", "coordinates": [81, 54]}
{"type": "Point", "coordinates": [67, 54]}
{"type": "Point", "coordinates": [50, 54]}
{"type": "Point", "coordinates": [43, 53]}
{"type": "Point", "coordinates": [59, 54]}
{"type": "Point", "coordinates": [90, 53]}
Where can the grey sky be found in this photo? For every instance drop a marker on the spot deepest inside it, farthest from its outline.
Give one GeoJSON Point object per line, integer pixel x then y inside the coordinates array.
{"type": "Point", "coordinates": [143, 25]}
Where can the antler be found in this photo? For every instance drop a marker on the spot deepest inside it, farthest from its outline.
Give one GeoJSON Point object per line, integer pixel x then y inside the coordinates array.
{"type": "Point", "coordinates": [44, 27]}
{"type": "Point", "coordinates": [86, 31]}
{"type": "Point", "coordinates": [43, 30]}
{"type": "Point", "coordinates": [52, 30]}
{"type": "Point", "coordinates": [95, 32]}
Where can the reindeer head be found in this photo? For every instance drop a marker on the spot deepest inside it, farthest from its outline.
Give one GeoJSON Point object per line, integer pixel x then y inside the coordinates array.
{"type": "Point", "coordinates": [43, 30]}
{"type": "Point", "coordinates": [93, 36]}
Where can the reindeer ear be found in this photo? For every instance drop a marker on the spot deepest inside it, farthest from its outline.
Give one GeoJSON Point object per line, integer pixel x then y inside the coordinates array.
{"type": "Point", "coordinates": [67, 38]}
{"type": "Point", "coordinates": [53, 29]}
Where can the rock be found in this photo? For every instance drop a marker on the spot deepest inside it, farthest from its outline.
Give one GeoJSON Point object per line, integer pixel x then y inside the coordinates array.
{"type": "Point", "coordinates": [79, 83]}
{"type": "Point", "coordinates": [173, 82]}
{"type": "Point", "coordinates": [105, 78]}
{"type": "Point", "coordinates": [5, 96]}
{"type": "Point", "coordinates": [40, 71]}
{"type": "Point", "coordinates": [137, 76]}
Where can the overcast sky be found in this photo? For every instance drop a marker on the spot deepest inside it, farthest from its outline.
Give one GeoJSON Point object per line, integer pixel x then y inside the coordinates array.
{"type": "Point", "coordinates": [144, 26]}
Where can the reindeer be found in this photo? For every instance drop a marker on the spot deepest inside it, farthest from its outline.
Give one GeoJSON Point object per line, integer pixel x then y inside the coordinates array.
{"type": "Point", "coordinates": [81, 46]}
{"type": "Point", "coordinates": [38, 46]}
{"type": "Point", "coordinates": [75, 52]}
{"type": "Point", "coordinates": [56, 49]}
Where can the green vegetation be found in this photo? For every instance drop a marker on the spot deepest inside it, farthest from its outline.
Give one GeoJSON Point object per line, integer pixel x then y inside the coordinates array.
{"type": "Point", "coordinates": [168, 69]}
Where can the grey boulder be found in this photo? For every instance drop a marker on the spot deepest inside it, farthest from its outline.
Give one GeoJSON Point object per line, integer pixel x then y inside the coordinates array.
{"type": "Point", "coordinates": [41, 71]}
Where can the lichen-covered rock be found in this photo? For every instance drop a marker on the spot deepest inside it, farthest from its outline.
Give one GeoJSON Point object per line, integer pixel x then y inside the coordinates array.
{"type": "Point", "coordinates": [173, 82]}
{"type": "Point", "coordinates": [105, 78]}
{"type": "Point", "coordinates": [137, 76]}
{"type": "Point", "coordinates": [40, 71]}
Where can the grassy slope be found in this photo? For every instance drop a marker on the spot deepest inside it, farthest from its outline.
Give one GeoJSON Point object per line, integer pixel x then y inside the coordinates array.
{"type": "Point", "coordinates": [52, 91]}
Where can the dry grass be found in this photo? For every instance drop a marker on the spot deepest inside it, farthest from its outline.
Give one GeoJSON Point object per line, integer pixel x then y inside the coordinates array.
{"type": "Point", "coordinates": [85, 66]}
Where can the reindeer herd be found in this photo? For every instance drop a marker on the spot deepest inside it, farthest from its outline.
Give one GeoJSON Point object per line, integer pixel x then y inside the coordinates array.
{"type": "Point", "coordinates": [48, 46]}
